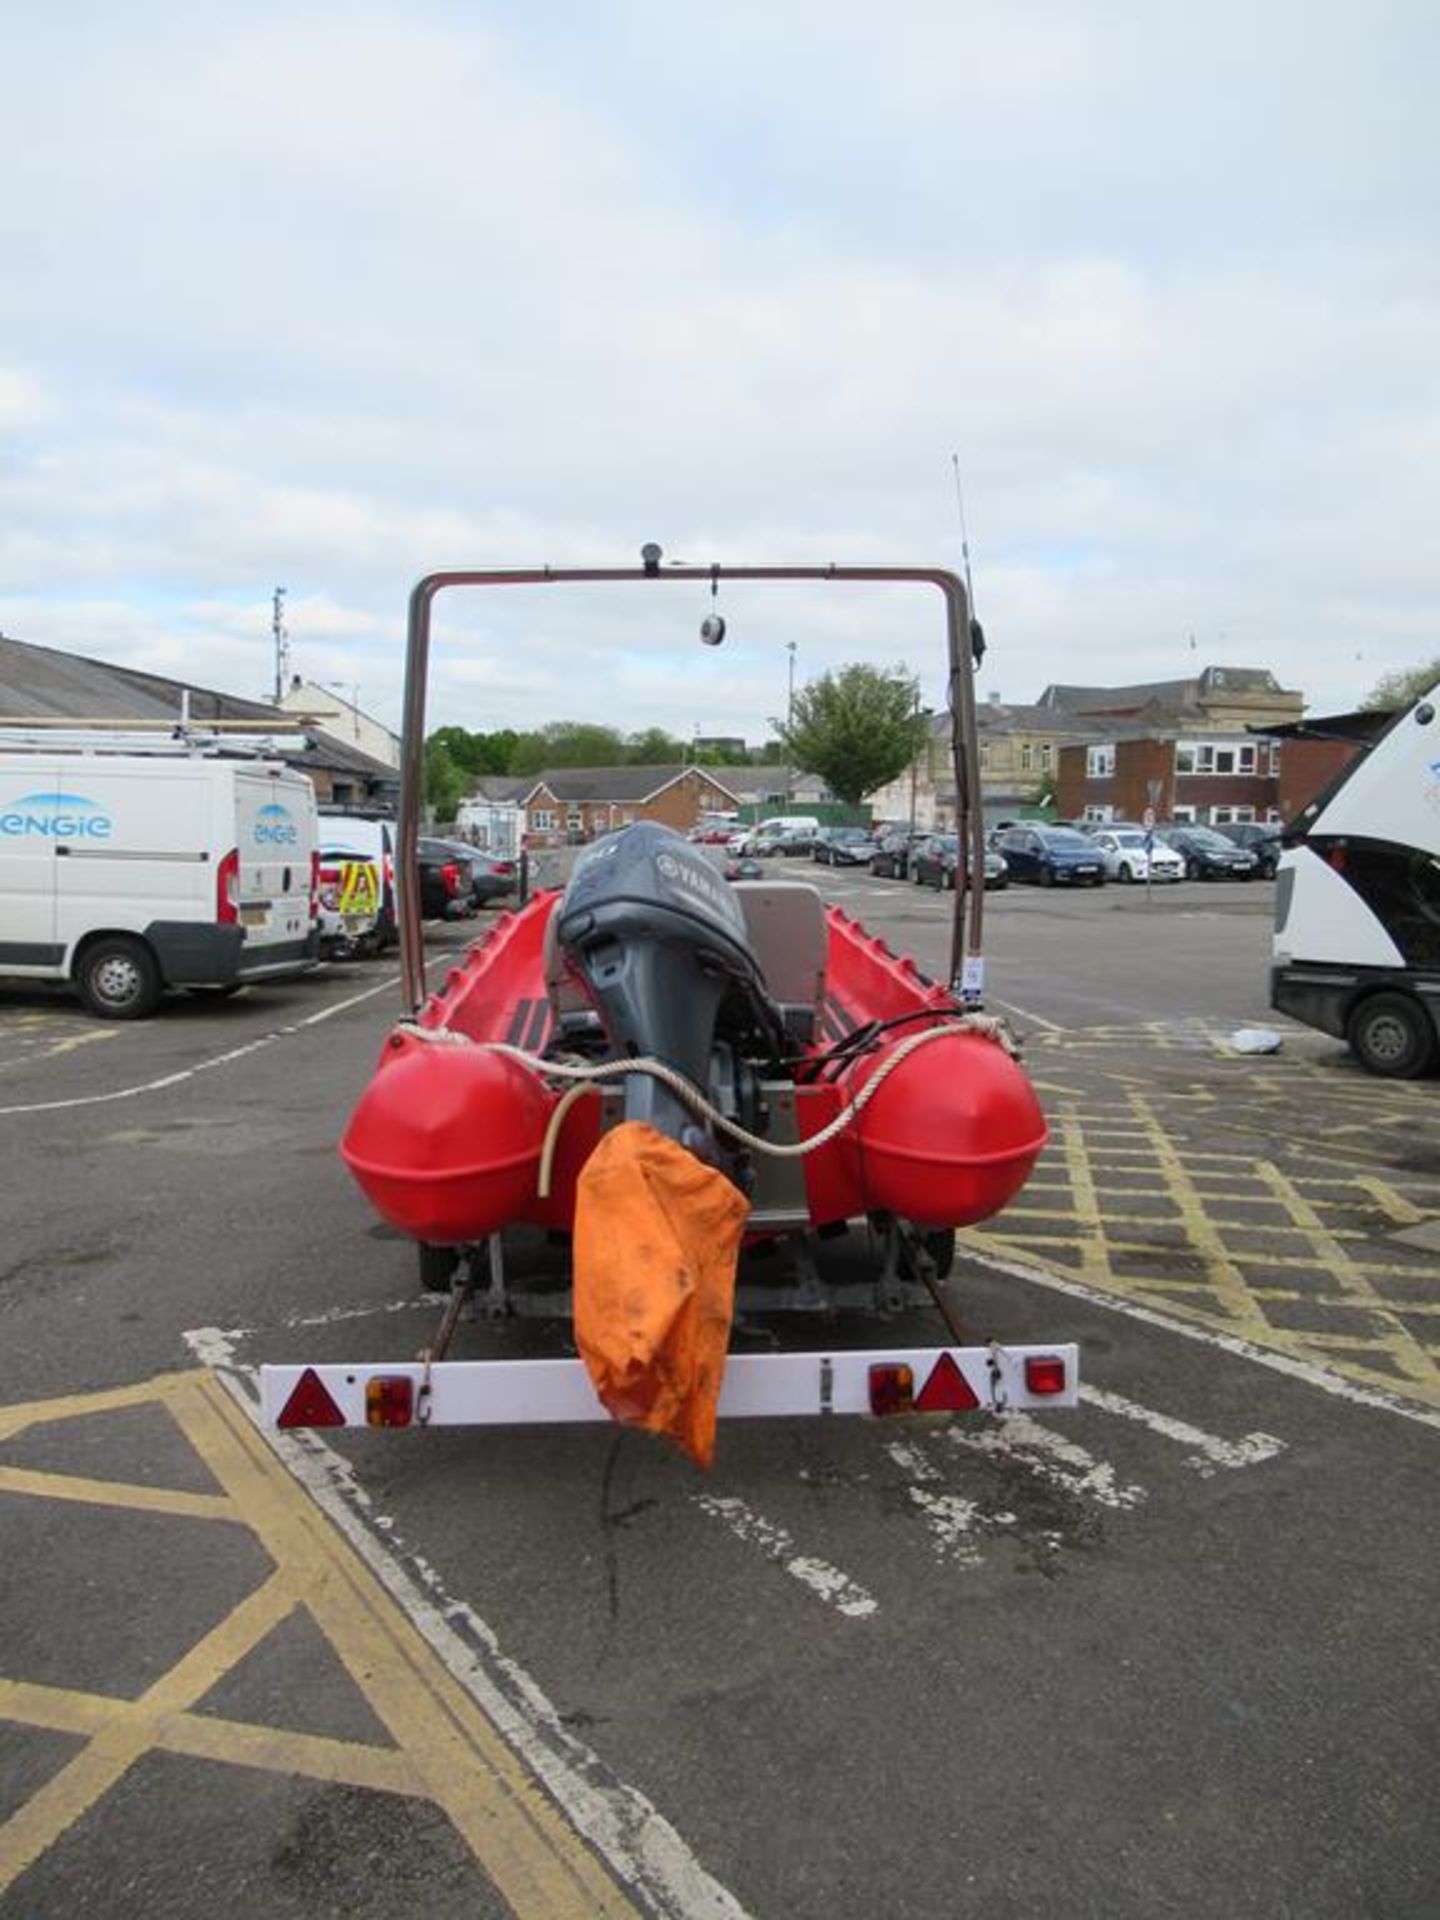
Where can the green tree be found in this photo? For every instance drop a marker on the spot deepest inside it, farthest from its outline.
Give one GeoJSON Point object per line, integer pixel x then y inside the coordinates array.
{"type": "Point", "coordinates": [445, 781]}
{"type": "Point", "coordinates": [856, 728]}
{"type": "Point", "coordinates": [580, 743]}
{"type": "Point", "coordinates": [1393, 692]}
{"type": "Point", "coordinates": [655, 748]}
{"type": "Point", "coordinates": [463, 747]}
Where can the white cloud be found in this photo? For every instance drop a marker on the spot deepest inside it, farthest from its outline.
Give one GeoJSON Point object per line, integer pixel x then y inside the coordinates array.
{"type": "Point", "coordinates": [332, 297]}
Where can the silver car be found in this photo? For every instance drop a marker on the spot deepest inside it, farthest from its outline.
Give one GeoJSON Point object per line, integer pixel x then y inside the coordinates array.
{"type": "Point", "coordinates": [1127, 855]}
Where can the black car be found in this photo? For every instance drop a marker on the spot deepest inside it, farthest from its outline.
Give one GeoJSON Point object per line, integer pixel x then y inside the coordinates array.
{"type": "Point", "coordinates": [842, 847]}
{"type": "Point", "coordinates": [1263, 841]}
{"type": "Point", "coordinates": [1208, 855]}
{"type": "Point", "coordinates": [893, 848]}
{"type": "Point", "coordinates": [481, 877]}
{"type": "Point", "coordinates": [1052, 856]}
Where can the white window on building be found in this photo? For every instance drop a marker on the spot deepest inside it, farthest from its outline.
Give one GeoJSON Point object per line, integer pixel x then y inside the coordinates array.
{"type": "Point", "coordinates": [1183, 816]}
{"type": "Point", "coordinates": [1027, 757]}
{"type": "Point", "coordinates": [1099, 762]}
{"type": "Point", "coordinates": [1215, 756]}
{"type": "Point", "coordinates": [543, 820]}
{"type": "Point", "coordinates": [1099, 815]}
{"type": "Point", "coordinates": [1047, 756]}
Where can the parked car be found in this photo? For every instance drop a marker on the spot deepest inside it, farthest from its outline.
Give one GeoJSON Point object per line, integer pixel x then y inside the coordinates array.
{"type": "Point", "coordinates": [1208, 855]}
{"type": "Point", "coordinates": [743, 866]}
{"type": "Point", "coordinates": [1130, 853]}
{"type": "Point", "coordinates": [842, 847]}
{"type": "Point", "coordinates": [491, 878]}
{"type": "Point", "coordinates": [759, 843]}
{"type": "Point", "coordinates": [935, 860]}
{"type": "Point", "coordinates": [893, 847]}
{"type": "Point", "coordinates": [1052, 856]}
{"type": "Point", "coordinates": [446, 880]}
{"type": "Point", "coordinates": [1261, 840]}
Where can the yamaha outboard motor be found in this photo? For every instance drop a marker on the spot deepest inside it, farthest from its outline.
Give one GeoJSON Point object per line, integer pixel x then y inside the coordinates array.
{"type": "Point", "coordinates": [659, 939]}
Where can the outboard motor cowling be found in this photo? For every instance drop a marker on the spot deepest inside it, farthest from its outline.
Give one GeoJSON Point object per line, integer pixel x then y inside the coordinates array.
{"type": "Point", "coordinates": [659, 939]}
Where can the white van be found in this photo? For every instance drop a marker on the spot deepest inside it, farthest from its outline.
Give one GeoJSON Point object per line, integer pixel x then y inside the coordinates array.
{"type": "Point", "coordinates": [357, 883]}
{"type": "Point", "coordinates": [785, 832]}
{"type": "Point", "coordinates": [1357, 902]}
{"type": "Point", "coordinates": [129, 873]}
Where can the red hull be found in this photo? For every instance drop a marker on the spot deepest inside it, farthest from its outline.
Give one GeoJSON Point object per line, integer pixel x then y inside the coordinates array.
{"type": "Point", "coordinates": [446, 1141]}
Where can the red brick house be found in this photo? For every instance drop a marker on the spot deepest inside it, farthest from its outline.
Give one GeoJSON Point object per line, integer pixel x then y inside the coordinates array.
{"type": "Point", "coordinates": [572, 804]}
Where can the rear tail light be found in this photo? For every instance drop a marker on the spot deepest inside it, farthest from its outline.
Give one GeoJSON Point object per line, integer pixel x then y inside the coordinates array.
{"type": "Point", "coordinates": [1044, 1373]}
{"type": "Point", "coordinates": [314, 882]}
{"type": "Point", "coordinates": [504, 867]}
{"type": "Point", "coordinates": [389, 1400]}
{"type": "Point", "coordinates": [227, 888]}
{"type": "Point", "coordinates": [450, 877]}
{"type": "Point", "coordinates": [892, 1389]}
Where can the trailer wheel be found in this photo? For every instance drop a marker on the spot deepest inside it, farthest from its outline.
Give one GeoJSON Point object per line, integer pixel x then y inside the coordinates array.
{"type": "Point", "coordinates": [118, 978]}
{"type": "Point", "coordinates": [437, 1267]}
{"type": "Point", "coordinates": [1391, 1034]}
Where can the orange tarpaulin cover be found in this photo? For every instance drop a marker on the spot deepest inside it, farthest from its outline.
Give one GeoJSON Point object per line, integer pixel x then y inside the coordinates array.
{"type": "Point", "coordinates": [657, 1237]}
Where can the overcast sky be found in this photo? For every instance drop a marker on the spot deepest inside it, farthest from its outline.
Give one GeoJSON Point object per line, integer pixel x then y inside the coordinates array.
{"type": "Point", "coordinates": [331, 296]}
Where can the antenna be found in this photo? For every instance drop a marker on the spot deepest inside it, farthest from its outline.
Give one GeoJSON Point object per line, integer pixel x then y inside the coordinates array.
{"type": "Point", "coordinates": [282, 643]}
{"type": "Point", "coordinates": [977, 634]}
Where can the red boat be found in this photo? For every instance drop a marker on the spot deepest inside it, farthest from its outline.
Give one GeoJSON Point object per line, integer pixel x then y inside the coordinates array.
{"type": "Point", "coordinates": [662, 1069]}
{"type": "Point", "coordinates": [914, 1104]}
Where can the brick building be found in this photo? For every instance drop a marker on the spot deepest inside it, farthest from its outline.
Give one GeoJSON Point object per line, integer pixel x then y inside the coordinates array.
{"type": "Point", "coordinates": [576, 803]}
{"type": "Point", "coordinates": [1192, 750]}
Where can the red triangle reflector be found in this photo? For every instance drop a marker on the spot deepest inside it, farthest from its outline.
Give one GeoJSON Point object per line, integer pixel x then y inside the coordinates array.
{"type": "Point", "coordinates": [310, 1404]}
{"type": "Point", "coordinates": [947, 1390]}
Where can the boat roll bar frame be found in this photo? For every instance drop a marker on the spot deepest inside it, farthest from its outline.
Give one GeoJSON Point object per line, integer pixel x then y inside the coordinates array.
{"type": "Point", "coordinates": [966, 970]}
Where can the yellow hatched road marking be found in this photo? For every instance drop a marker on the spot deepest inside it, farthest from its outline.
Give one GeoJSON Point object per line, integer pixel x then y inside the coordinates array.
{"type": "Point", "coordinates": [447, 1749]}
{"type": "Point", "coordinates": [213, 1737]}
{"type": "Point", "coordinates": [126, 1737]}
{"type": "Point", "coordinates": [1402, 1211]}
{"type": "Point", "coordinates": [114, 1493]}
{"type": "Point", "coordinates": [1409, 1356]}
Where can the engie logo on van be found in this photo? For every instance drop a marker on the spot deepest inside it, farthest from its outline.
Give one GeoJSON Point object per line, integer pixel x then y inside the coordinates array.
{"type": "Point", "coordinates": [274, 827]}
{"type": "Point", "coordinates": [55, 816]}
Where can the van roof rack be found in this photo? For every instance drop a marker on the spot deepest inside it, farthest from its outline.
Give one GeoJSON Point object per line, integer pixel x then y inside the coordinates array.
{"type": "Point", "coordinates": [210, 739]}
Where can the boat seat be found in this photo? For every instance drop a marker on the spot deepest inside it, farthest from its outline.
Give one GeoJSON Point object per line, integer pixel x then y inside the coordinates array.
{"type": "Point", "coordinates": [789, 937]}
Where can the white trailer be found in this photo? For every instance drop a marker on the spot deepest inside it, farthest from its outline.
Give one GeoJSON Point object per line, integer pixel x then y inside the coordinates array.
{"type": "Point", "coordinates": [1357, 902]}
{"type": "Point", "coordinates": [129, 872]}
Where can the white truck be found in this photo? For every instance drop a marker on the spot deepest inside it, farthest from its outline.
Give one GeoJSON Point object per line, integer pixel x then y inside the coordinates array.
{"type": "Point", "coordinates": [1357, 902]}
{"type": "Point", "coordinates": [129, 872]}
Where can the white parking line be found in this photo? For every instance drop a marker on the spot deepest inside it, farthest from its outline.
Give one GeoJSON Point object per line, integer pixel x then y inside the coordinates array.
{"type": "Point", "coordinates": [1051, 1457]}
{"type": "Point", "coordinates": [952, 1520]}
{"type": "Point", "coordinates": [226, 1059]}
{"type": "Point", "coordinates": [828, 1583]}
{"type": "Point", "coordinates": [1210, 1453]}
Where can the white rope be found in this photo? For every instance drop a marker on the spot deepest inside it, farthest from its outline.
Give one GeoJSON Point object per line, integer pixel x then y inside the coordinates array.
{"type": "Point", "coordinates": [583, 1076]}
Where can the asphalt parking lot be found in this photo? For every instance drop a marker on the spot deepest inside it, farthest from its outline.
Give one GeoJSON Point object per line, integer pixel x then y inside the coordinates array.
{"type": "Point", "coordinates": [1173, 1653]}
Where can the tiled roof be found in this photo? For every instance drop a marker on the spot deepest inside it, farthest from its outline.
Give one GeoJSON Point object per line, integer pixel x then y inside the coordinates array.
{"type": "Point", "coordinates": [42, 683]}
